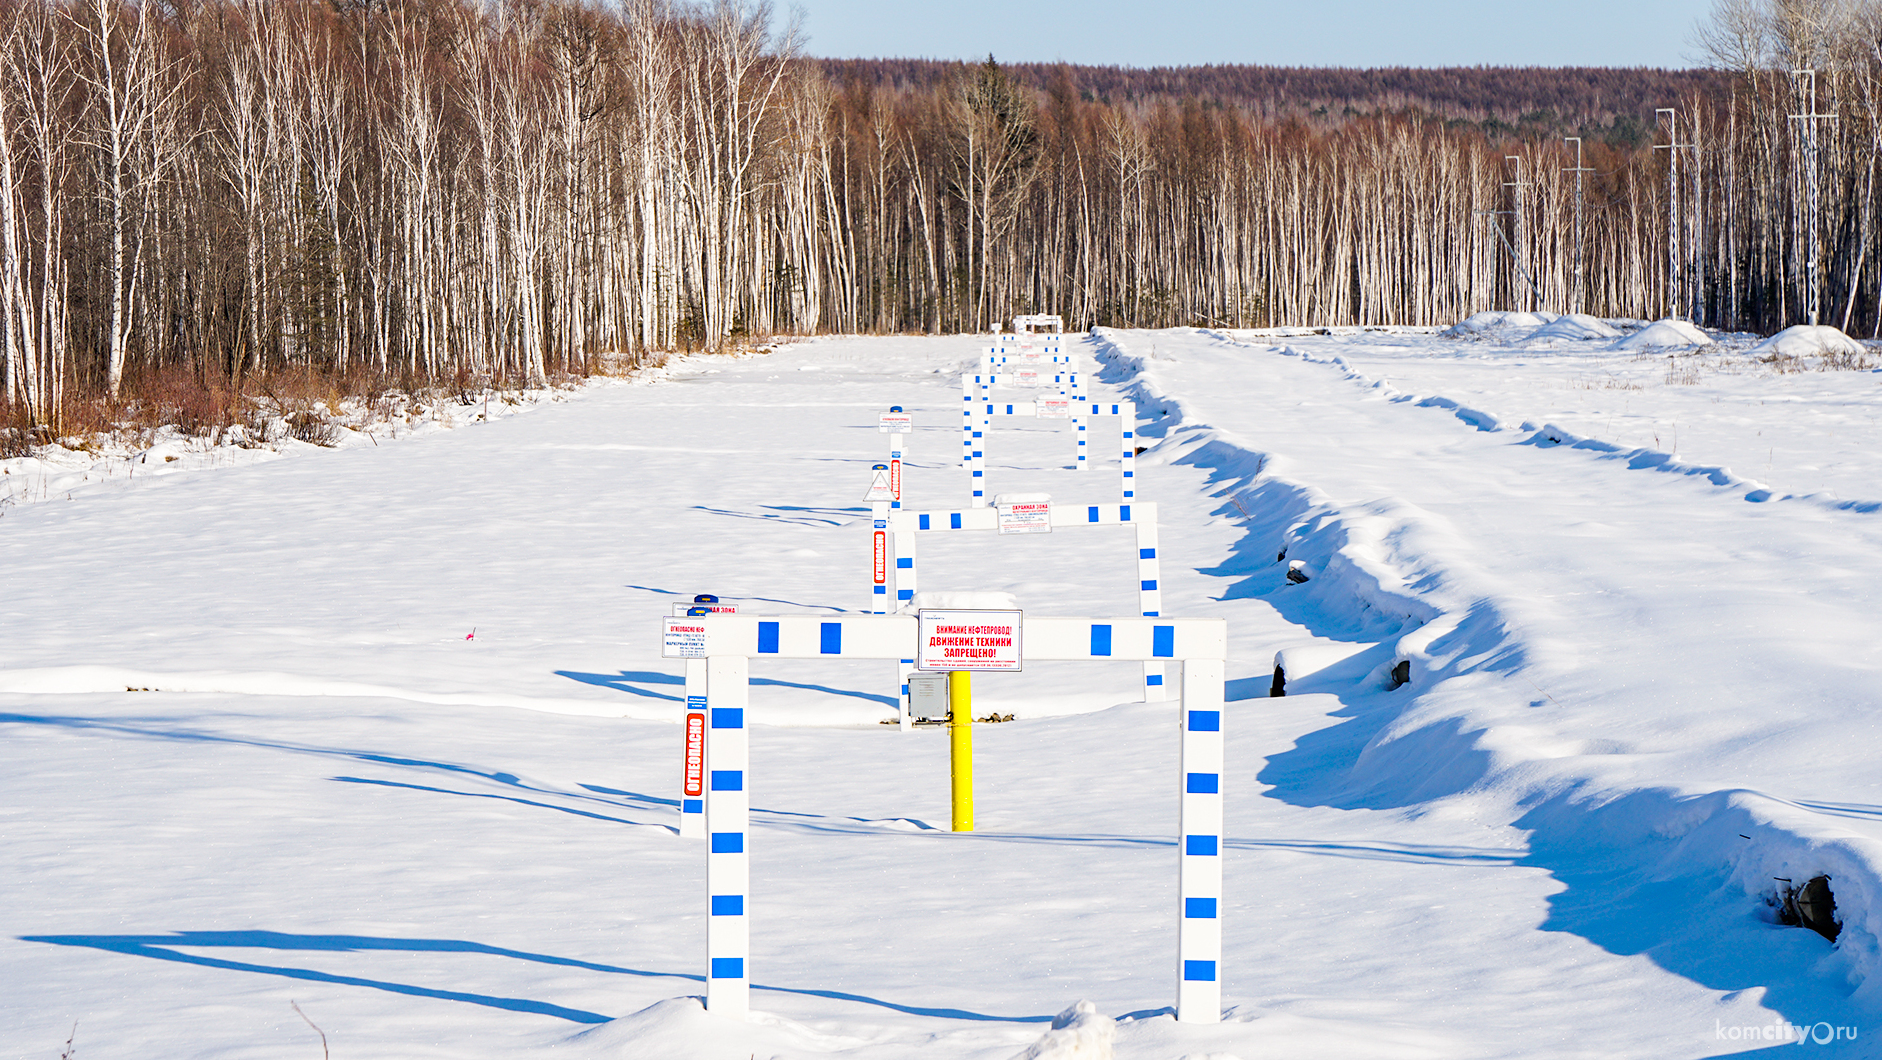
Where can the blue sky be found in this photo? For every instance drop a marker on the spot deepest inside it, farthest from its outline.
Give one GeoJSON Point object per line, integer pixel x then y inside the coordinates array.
{"type": "Point", "coordinates": [1269, 32]}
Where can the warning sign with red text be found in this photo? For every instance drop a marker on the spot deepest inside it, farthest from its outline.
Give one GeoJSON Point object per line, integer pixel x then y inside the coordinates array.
{"type": "Point", "coordinates": [1027, 517]}
{"type": "Point", "coordinates": [969, 640]}
{"type": "Point", "coordinates": [683, 639]}
{"type": "Point", "coordinates": [695, 748]}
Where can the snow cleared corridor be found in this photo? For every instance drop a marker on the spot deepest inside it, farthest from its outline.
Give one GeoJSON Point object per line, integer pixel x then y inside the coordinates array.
{"type": "Point", "coordinates": [263, 741]}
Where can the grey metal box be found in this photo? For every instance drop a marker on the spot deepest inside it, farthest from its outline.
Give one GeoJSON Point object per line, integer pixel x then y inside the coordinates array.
{"type": "Point", "coordinates": [928, 697]}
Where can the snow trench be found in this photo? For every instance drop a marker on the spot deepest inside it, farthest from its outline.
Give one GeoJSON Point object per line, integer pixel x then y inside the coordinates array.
{"type": "Point", "coordinates": [1637, 859]}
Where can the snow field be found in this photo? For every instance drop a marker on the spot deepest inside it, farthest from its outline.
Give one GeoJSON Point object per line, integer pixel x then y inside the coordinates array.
{"type": "Point", "coordinates": [1468, 866]}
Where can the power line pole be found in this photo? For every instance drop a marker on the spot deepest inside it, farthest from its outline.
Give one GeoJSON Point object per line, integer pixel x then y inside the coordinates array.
{"type": "Point", "coordinates": [1812, 283]}
{"type": "Point", "coordinates": [1672, 147]}
{"type": "Point", "coordinates": [1579, 297]}
{"type": "Point", "coordinates": [1521, 250]}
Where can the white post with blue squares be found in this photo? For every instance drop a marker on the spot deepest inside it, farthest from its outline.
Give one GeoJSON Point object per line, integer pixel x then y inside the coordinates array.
{"type": "Point", "coordinates": [1197, 646]}
{"type": "Point", "coordinates": [1199, 875]}
{"type": "Point", "coordinates": [728, 856]}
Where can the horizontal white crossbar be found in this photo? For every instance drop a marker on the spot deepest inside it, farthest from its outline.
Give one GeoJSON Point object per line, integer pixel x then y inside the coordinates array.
{"type": "Point", "coordinates": [1063, 516]}
{"type": "Point", "coordinates": [1131, 639]}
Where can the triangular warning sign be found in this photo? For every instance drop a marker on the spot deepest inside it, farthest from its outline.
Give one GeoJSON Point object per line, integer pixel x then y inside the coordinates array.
{"type": "Point", "coordinates": [879, 484]}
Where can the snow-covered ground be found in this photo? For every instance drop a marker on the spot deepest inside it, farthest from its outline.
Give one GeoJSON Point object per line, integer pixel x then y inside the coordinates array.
{"type": "Point", "coordinates": [120, 458]}
{"type": "Point", "coordinates": [383, 733]}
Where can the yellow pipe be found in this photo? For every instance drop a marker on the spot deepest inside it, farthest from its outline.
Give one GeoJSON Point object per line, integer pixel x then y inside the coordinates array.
{"type": "Point", "coordinates": [961, 746]}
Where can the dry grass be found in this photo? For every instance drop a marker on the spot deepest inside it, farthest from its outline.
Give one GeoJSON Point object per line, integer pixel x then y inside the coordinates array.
{"type": "Point", "coordinates": [1606, 382]}
{"type": "Point", "coordinates": [303, 404]}
{"type": "Point", "coordinates": [1786, 364]}
{"type": "Point", "coordinates": [16, 431]}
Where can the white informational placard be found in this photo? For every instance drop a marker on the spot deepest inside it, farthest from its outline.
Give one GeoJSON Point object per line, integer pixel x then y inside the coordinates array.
{"type": "Point", "coordinates": [1028, 355]}
{"type": "Point", "coordinates": [679, 610]}
{"type": "Point", "coordinates": [895, 422]}
{"type": "Point", "coordinates": [683, 639]}
{"type": "Point", "coordinates": [1026, 377]}
{"type": "Point", "coordinates": [1026, 517]}
{"type": "Point", "coordinates": [969, 640]}
{"type": "Point", "coordinates": [1053, 408]}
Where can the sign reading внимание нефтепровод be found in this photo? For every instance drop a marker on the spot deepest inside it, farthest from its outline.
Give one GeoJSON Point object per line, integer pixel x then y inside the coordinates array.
{"type": "Point", "coordinates": [969, 640]}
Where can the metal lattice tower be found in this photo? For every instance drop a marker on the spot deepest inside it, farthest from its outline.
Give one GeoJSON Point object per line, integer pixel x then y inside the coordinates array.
{"type": "Point", "coordinates": [1578, 296]}
{"type": "Point", "coordinates": [1813, 293]}
{"type": "Point", "coordinates": [1521, 248]}
{"type": "Point", "coordinates": [1674, 271]}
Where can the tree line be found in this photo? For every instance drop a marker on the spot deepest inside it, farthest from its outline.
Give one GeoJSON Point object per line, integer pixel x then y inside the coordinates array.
{"type": "Point", "coordinates": [416, 189]}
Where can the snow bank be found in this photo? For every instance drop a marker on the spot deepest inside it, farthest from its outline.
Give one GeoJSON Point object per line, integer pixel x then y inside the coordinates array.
{"type": "Point", "coordinates": [1573, 327]}
{"type": "Point", "coordinates": [1492, 323]}
{"type": "Point", "coordinates": [123, 458]}
{"type": "Point", "coordinates": [1665, 334]}
{"type": "Point", "coordinates": [1386, 572]}
{"type": "Point", "coordinates": [1806, 340]}
{"type": "Point", "coordinates": [1078, 1033]}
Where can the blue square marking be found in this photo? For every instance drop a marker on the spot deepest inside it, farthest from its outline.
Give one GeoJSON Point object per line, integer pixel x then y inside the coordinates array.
{"type": "Point", "coordinates": [1204, 846]}
{"type": "Point", "coordinates": [1091, 515]}
{"type": "Point", "coordinates": [923, 523]}
{"type": "Point", "coordinates": [905, 562]}
{"type": "Point", "coordinates": [1205, 721]}
{"type": "Point", "coordinates": [1198, 783]}
{"type": "Point", "coordinates": [1148, 585]}
{"type": "Point", "coordinates": [1193, 971]}
{"type": "Point", "coordinates": [1146, 553]}
{"type": "Point", "coordinates": [830, 634]}
{"type": "Point", "coordinates": [1194, 908]}
{"type": "Point", "coordinates": [734, 905]}
{"type": "Point", "coordinates": [904, 594]}
{"type": "Point", "coordinates": [692, 806]}
{"type": "Point", "coordinates": [767, 638]}
{"type": "Point", "coordinates": [954, 518]}
{"type": "Point", "coordinates": [728, 717]}
{"type": "Point", "coordinates": [1124, 513]}
{"type": "Point", "coordinates": [734, 780]}
{"type": "Point", "coordinates": [734, 842]}
{"type": "Point", "coordinates": [1100, 640]}
{"type": "Point", "coordinates": [1162, 638]}
{"type": "Point", "coordinates": [734, 967]}
{"type": "Point", "coordinates": [1153, 679]}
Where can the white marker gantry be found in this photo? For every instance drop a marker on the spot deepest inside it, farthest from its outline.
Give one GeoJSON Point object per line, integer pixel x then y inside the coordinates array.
{"type": "Point", "coordinates": [1142, 518]}
{"type": "Point", "coordinates": [1050, 323]}
{"type": "Point", "coordinates": [728, 642]}
{"type": "Point", "coordinates": [977, 419]}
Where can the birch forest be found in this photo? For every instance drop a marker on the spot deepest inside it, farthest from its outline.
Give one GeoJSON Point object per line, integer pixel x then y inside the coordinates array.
{"type": "Point", "coordinates": [413, 190]}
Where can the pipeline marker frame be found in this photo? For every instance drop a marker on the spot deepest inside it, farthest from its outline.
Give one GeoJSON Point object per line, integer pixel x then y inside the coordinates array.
{"type": "Point", "coordinates": [1197, 646]}
{"type": "Point", "coordinates": [977, 422]}
{"type": "Point", "coordinates": [906, 524]}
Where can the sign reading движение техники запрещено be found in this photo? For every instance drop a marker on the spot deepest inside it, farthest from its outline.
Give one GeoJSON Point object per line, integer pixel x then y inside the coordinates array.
{"type": "Point", "coordinates": [969, 640]}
